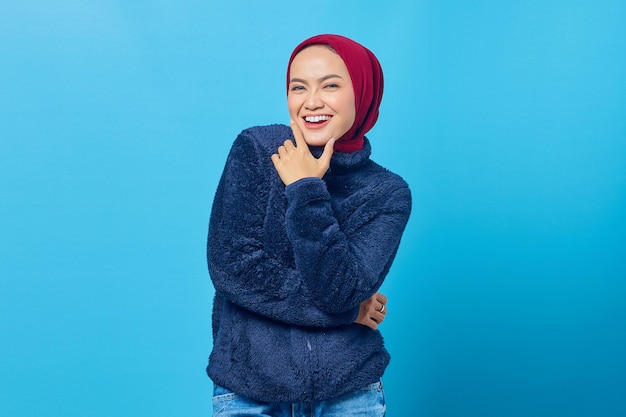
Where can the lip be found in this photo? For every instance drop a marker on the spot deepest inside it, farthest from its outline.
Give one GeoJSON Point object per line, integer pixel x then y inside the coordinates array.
{"type": "Point", "coordinates": [318, 125]}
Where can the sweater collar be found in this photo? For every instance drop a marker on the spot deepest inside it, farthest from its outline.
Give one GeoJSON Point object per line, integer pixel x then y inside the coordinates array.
{"type": "Point", "coordinates": [346, 161]}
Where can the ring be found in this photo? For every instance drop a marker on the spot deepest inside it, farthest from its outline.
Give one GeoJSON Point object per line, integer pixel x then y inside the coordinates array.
{"type": "Point", "coordinates": [382, 309]}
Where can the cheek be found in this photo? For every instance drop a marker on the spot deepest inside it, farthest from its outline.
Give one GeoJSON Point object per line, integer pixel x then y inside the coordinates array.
{"type": "Point", "coordinates": [293, 106]}
{"type": "Point", "coordinates": [347, 102]}
{"type": "Point", "coordinates": [349, 110]}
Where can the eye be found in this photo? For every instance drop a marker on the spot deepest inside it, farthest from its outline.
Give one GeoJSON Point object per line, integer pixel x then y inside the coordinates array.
{"type": "Point", "coordinates": [297, 88]}
{"type": "Point", "coordinates": [331, 86]}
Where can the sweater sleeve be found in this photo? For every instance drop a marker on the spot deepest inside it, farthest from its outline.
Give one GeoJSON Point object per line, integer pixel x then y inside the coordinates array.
{"type": "Point", "coordinates": [243, 267]}
{"type": "Point", "coordinates": [344, 264]}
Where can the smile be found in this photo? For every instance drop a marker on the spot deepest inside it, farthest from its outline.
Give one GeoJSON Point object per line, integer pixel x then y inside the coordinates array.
{"type": "Point", "coordinates": [317, 119]}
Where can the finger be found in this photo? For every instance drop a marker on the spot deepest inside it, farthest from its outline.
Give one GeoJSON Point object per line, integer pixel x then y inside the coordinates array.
{"type": "Point", "coordinates": [282, 151]}
{"type": "Point", "coordinates": [378, 318]}
{"type": "Point", "coordinates": [328, 152]}
{"type": "Point", "coordinates": [378, 307]}
{"type": "Point", "coordinates": [275, 159]}
{"type": "Point", "coordinates": [297, 134]}
{"type": "Point", "coordinates": [372, 324]}
{"type": "Point", "coordinates": [381, 298]}
{"type": "Point", "coordinates": [289, 146]}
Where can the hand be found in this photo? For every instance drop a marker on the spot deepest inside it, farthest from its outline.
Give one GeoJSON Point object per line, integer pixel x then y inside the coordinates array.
{"type": "Point", "coordinates": [372, 311]}
{"type": "Point", "coordinates": [294, 162]}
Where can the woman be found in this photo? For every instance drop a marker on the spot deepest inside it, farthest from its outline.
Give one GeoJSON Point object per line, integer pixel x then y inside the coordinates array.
{"type": "Point", "coordinates": [304, 228]}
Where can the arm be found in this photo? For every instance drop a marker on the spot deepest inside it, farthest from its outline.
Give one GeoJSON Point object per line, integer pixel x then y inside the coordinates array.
{"type": "Point", "coordinates": [345, 264]}
{"type": "Point", "coordinates": [243, 267]}
{"type": "Point", "coordinates": [342, 265]}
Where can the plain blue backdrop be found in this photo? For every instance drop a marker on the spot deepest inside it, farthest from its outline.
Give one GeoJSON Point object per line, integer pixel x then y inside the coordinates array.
{"type": "Point", "coordinates": [507, 118]}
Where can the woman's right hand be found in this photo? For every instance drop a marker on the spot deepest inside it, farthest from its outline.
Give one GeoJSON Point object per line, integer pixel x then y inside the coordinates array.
{"type": "Point", "coordinates": [372, 311]}
{"type": "Point", "coordinates": [294, 162]}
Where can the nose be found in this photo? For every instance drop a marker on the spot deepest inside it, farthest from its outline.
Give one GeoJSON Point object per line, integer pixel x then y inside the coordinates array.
{"type": "Point", "coordinates": [313, 101]}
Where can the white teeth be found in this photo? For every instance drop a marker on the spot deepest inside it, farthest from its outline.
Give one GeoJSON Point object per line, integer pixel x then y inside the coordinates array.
{"type": "Point", "coordinates": [316, 119]}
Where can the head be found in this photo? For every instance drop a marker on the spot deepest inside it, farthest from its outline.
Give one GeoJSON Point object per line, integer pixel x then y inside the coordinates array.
{"type": "Point", "coordinates": [334, 90]}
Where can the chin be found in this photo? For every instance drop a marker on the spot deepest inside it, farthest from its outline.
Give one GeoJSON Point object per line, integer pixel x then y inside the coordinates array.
{"type": "Point", "coordinates": [313, 141]}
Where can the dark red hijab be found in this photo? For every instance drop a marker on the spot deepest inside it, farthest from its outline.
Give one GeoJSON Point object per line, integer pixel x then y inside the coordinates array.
{"type": "Point", "coordinates": [366, 75]}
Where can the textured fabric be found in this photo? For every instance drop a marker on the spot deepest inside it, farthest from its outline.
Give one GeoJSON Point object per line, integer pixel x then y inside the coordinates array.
{"type": "Point", "coordinates": [366, 75]}
{"type": "Point", "coordinates": [291, 265]}
{"type": "Point", "coordinates": [369, 401]}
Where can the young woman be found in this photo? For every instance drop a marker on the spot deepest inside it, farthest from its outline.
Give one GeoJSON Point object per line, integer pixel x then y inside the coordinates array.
{"type": "Point", "coordinates": [304, 228]}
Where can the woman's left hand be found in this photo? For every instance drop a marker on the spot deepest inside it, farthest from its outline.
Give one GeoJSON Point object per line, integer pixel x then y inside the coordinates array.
{"type": "Point", "coordinates": [294, 162]}
{"type": "Point", "coordinates": [372, 311]}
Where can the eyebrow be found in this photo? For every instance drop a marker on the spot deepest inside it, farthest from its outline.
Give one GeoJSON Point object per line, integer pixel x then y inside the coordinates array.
{"type": "Point", "coordinates": [324, 78]}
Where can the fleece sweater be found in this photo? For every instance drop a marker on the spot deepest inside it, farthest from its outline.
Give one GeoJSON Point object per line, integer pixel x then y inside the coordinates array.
{"type": "Point", "coordinates": [291, 265]}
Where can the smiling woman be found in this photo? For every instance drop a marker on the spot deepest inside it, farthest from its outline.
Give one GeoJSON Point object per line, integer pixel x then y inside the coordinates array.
{"type": "Point", "coordinates": [357, 74]}
{"type": "Point", "coordinates": [301, 237]}
{"type": "Point", "coordinates": [320, 95]}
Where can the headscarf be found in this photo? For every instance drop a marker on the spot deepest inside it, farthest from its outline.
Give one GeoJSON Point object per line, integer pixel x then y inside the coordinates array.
{"type": "Point", "coordinates": [366, 75]}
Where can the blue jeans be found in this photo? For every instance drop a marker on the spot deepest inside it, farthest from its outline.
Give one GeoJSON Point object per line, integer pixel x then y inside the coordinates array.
{"type": "Point", "coordinates": [366, 402]}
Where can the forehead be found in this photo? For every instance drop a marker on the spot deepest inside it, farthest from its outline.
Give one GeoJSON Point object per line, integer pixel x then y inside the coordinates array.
{"type": "Point", "coordinates": [317, 59]}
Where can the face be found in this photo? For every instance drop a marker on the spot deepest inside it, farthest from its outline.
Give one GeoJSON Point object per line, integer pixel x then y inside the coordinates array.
{"type": "Point", "coordinates": [320, 97]}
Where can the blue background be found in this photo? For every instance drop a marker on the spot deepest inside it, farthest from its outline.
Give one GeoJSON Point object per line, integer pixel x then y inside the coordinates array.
{"type": "Point", "coordinates": [507, 118]}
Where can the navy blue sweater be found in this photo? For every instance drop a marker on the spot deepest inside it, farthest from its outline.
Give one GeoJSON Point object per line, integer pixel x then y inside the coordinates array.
{"type": "Point", "coordinates": [291, 265]}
